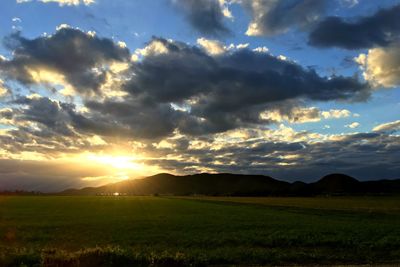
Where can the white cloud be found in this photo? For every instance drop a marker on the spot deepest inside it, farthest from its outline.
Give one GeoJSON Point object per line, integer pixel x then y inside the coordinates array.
{"type": "Point", "coordinates": [381, 65]}
{"type": "Point", "coordinates": [212, 47]}
{"type": "Point", "coordinates": [388, 127]}
{"type": "Point", "coordinates": [296, 115]}
{"type": "Point", "coordinates": [303, 115]}
{"type": "Point", "coordinates": [336, 114]}
{"type": "Point", "coordinates": [242, 46]}
{"type": "Point", "coordinates": [261, 49]}
{"type": "Point", "coordinates": [155, 47]}
{"type": "Point", "coordinates": [353, 125]}
{"type": "Point", "coordinates": [91, 33]}
{"type": "Point", "coordinates": [122, 44]}
{"type": "Point", "coordinates": [63, 26]}
{"type": "Point", "coordinates": [282, 57]}
{"type": "Point", "coordinates": [225, 10]}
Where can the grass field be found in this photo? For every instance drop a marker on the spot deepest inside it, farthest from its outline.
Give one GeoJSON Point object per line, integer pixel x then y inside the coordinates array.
{"type": "Point", "coordinates": [132, 231]}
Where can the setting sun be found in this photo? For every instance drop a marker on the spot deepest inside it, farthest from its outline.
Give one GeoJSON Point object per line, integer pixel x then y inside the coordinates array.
{"type": "Point", "coordinates": [117, 162]}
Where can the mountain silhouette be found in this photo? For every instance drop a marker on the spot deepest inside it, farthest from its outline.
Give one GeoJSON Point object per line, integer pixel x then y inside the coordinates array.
{"type": "Point", "coordinates": [226, 184]}
{"type": "Point", "coordinates": [336, 183]}
{"type": "Point", "coordinates": [201, 184]}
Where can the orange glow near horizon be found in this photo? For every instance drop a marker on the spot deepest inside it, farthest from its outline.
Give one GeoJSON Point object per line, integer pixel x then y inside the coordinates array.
{"type": "Point", "coordinates": [121, 167]}
{"type": "Point", "coordinates": [94, 169]}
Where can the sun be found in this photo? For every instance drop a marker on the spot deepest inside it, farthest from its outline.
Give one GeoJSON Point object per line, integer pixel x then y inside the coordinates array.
{"type": "Point", "coordinates": [121, 167]}
{"type": "Point", "coordinates": [117, 162]}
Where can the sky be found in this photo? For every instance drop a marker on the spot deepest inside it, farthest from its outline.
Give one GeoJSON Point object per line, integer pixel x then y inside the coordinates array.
{"type": "Point", "coordinates": [99, 91]}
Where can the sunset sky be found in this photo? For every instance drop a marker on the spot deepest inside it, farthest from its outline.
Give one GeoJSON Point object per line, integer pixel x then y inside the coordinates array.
{"type": "Point", "coordinates": [98, 91]}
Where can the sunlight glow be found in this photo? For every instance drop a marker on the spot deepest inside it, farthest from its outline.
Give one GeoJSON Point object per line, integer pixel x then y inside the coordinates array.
{"type": "Point", "coordinates": [117, 162]}
{"type": "Point", "coordinates": [121, 167]}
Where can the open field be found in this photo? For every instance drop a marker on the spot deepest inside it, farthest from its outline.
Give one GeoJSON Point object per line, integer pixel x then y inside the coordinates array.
{"type": "Point", "coordinates": [388, 204]}
{"type": "Point", "coordinates": [87, 231]}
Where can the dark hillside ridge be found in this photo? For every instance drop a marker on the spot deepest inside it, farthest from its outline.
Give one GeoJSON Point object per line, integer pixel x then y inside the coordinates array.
{"type": "Point", "coordinates": [226, 184]}
{"type": "Point", "coordinates": [337, 183]}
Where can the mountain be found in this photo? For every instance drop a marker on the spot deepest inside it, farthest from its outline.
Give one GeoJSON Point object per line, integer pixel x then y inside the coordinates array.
{"type": "Point", "coordinates": [201, 184]}
{"type": "Point", "coordinates": [336, 183]}
{"type": "Point", "coordinates": [224, 184]}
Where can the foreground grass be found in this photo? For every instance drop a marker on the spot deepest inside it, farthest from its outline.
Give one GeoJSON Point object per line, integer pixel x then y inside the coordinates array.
{"type": "Point", "coordinates": [380, 204]}
{"type": "Point", "coordinates": [142, 231]}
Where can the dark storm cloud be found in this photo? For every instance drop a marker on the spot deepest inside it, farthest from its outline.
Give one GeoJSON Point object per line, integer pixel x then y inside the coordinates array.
{"type": "Point", "coordinates": [230, 90]}
{"type": "Point", "coordinates": [44, 126]}
{"type": "Point", "coordinates": [130, 118]}
{"type": "Point", "coordinates": [6, 114]}
{"type": "Point", "coordinates": [63, 119]}
{"type": "Point", "coordinates": [267, 17]}
{"type": "Point", "coordinates": [217, 93]}
{"type": "Point", "coordinates": [275, 17]}
{"type": "Point", "coordinates": [380, 29]}
{"type": "Point", "coordinates": [45, 112]}
{"type": "Point", "coordinates": [69, 52]}
{"type": "Point", "coordinates": [206, 16]}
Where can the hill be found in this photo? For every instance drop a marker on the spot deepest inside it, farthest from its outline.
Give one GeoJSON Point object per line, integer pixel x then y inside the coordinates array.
{"type": "Point", "coordinates": [336, 183]}
{"type": "Point", "coordinates": [224, 184]}
{"type": "Point", "coordinates": [201, 184]}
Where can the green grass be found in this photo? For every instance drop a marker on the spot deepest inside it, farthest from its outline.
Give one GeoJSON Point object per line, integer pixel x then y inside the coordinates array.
{"type": "Point", "coordinates": [386, 204]}
{"type": "Point", "coordinates": [126, 231]}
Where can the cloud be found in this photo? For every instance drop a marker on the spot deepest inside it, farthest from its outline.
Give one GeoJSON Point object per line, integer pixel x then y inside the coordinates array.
{"type": "Point", "coordinates": [155, 47]}
{"type": "Point", "coordinates": [230, 90]}
{"type": "Point", "coordinates": [183, 106]}
{"type": "Point", "coordinates": [353, 125]}
{"type": "Point", "coordinates": [41, 129]}
{"type": "Point", "coordinates": [212, 47]}
{"type": "Point", "coordinates": [381, 66]}
{"type": "Point", "coordinates": [3, 89]}
{"type": "Point", "coordinates": [6, 115]}
{"type": "Point", "coordinates": [283, 152]}
{"type": "Point", "coordinates": [304, 156]}
{"type": "Point", "coordinates": [286, 154]}
{"type": "Point", "coordinates": [215, 47]}
{"type": "Point", "coordinates": [44, 111]}
{"type": "Point", "coordinates": [206, 16]}
{"type": "Point", "coordinates": [389, 127]}
{"type": "Point", "coordinates": [302, 115]}
{"type": "Point", "coordinates": [297, 114]}
{"type": "Point", "coordinates": [62, 2]}
{"type": "Point", "coordinates": [41, 116]}
{"type": "Point", "coordinates": [172, 86]}
{"type": "Point", "coordinates": [70, 56]}
{"type": "Point", "coordinates": [293, 115]}
{"type": "Point", "coordinates": [379, 29]}
{"type": "Point", "coordinates": [261, 49]}
{"type": "Point", "coordinates": [16, 20]}
{"type": "Point", "coordinates": [131, 118]}
{"type": "Point", "coordinates": [336, 113]}
{"type": "Point", "coordinates": [268, 17]}
{"type": "Point", "coordinates": [271, 17]}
